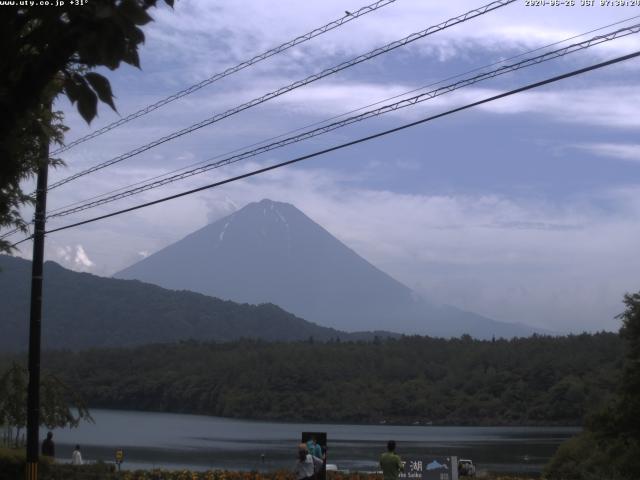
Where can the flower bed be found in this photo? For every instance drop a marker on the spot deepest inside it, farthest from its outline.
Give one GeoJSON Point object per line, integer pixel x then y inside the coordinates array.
{"type": "Point", "coordinates": [12, 467]}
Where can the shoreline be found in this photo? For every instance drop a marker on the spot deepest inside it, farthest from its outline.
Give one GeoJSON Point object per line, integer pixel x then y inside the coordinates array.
{"type": "Point", "coordinates": [290, 421]}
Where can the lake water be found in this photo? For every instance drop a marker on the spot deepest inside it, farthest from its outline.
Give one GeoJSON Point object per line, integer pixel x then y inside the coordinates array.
{"type": "Point", "coordinates": [199, 442]}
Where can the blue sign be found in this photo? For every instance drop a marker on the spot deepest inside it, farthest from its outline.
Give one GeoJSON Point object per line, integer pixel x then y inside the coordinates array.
{"type": "Point", "coordinates": [430, 468]}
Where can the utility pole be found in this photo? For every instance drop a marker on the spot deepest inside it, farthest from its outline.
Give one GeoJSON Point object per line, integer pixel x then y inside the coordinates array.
{"type": "Point", "coordinates": [33, 394]}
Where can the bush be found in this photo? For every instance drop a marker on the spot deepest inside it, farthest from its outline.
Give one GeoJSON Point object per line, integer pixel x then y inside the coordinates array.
{"type": "Point", "coordinates": [610, 447]}
{"type": "Point", "coordinates": [98, 471]}
{"type": "Point", "coordinates": [12, 464]}
{"type": "Point", "coordinates": [589, 457]}
{"type": "Point", "coordinates": [577, 459]}
{"type": "Point", "coordinates": [13, 461]}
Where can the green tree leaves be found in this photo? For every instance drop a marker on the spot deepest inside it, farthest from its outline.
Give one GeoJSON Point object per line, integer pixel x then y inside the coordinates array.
{"type": "Point", "coordinates": [13, 398]}
{"type": "Point", "coordinates": [102, 88]}
{"type": "Point", "coordinates": [85, 90]}
{"type": "Point", "coordinates": [610, 448]}
{"type": "Point", "coordinates": [77, 89]}
{"type": "Point", "coordinates": [59, 407]}
{"type": "Point", "coordinates": [46, 52]}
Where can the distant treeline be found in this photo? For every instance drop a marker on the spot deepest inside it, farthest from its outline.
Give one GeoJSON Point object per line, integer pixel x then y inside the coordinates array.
{"type": "Point", "coordinates": [537, 380]}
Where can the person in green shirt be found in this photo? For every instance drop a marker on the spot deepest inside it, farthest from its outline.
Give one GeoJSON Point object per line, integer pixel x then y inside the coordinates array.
{"type": "Point", "coordinates": [390, 462]}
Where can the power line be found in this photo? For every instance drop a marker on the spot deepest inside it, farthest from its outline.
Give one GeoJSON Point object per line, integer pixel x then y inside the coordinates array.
{"type": "Point", "coordinates": [16, 230]}
{"type": "Point", "coordinates": [281, 91]}
{"type": "Point", "coordinates": [363, 116]}
{"type": "Point", "coordinates": [63, 210]}
{"type": "Point", "coordinates": [353, 142]}
{"type": "Point", "coordinates": [229, 71]}
{"type": "Point", "coordinates": [11, 232]}
{"type": "Point", "coordinates": [166, 174]}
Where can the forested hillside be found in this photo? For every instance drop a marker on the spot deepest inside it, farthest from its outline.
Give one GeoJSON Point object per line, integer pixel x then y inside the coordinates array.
{"type": "Point", "coordinates": [539, 380]}
{"type": "Point", "coordinates": [81, 311]}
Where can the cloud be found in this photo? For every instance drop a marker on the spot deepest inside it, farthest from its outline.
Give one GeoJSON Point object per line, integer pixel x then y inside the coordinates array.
{"type": "Point", "coordinates": [75, 258]}
{"type": "Point", "coordinates": [558, 265]}
{"type": "Point", "coordinates": [617, 107]}
{"type": "Point", "coordinates": [64, 253]}
{"type": "Point", "coordinates": [196, 40]}
{"type": "Point", "coordinates": [211, 37]}
{"type": "Point", "coordinates": [554, 265]}
{"type": "Point", "coordinates": [623, 151]}
{"type": "Point", "coordinates": [336, 98]}
{"type": "Point", "coordinates": [220, 207]}
{"type": "Point", "coordinates": [81, 258]}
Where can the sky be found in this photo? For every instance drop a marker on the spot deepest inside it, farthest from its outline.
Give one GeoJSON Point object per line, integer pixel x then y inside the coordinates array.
{"type": "Point", "coordinates": [526, 209]}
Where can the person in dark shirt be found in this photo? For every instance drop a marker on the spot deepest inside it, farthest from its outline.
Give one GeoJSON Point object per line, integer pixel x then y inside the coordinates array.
{"type": "Point", "coordinates": [48, 447]}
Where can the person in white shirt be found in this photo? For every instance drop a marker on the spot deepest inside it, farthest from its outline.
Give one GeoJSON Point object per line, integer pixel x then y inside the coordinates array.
{"type": "Point", "coordinates": [307, 464]}
{"type": "Point", "coordinates": [76, 456]}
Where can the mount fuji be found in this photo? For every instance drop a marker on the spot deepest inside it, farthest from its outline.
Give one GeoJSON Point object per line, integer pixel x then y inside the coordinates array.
{"type": "Point", "coordinates": [271, 252]}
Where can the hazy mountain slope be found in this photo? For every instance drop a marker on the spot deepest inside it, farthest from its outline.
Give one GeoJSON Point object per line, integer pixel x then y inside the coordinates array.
{"type": "Point", "coordinates": [272, 252]}
{"type": "Point", "coordinates": [82, 310]}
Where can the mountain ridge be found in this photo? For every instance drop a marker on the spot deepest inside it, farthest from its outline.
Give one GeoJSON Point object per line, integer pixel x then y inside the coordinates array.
{"type": "Point", "coordinates": [81, 310]}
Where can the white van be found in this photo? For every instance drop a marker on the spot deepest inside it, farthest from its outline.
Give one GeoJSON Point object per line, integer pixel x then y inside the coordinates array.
{"type": "Point", "coordinates": [466, 468]}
